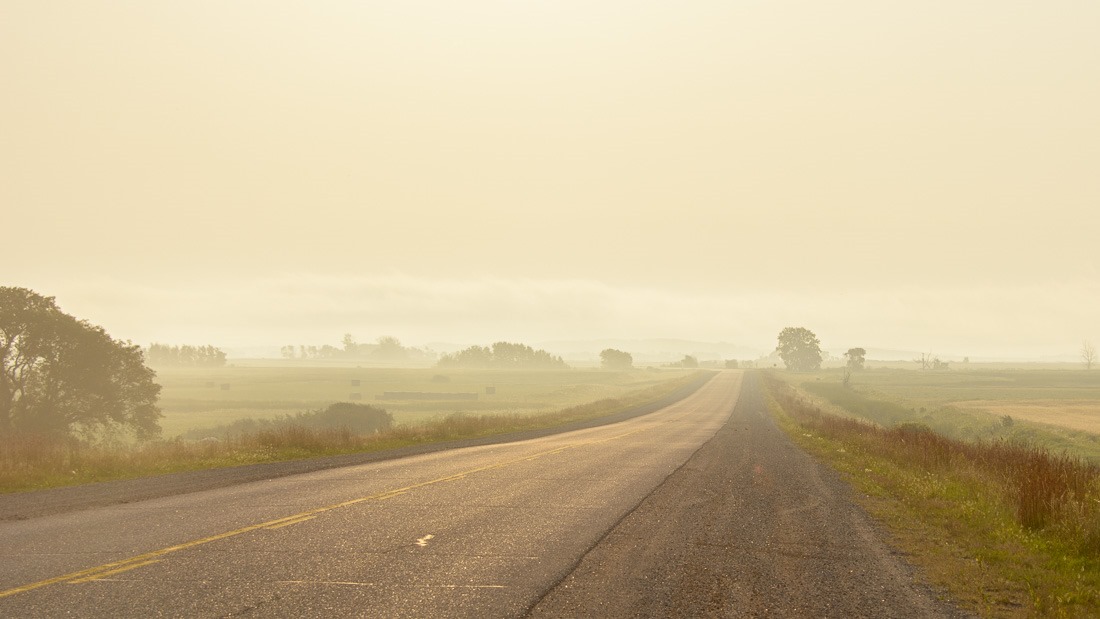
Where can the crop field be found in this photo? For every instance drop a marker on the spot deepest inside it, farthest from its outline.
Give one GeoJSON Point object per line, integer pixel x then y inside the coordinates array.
{"type": "Point", "coordinates": [194, 399]}
{"type": "Point", "coordinates": [1058, 408]}
{"type": "Point", "coordinates": [1081, 415]}
{"type": "Point", "coordinates": [940, 388]}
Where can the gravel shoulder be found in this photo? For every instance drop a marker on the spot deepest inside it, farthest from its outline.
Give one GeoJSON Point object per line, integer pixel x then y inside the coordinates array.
{"type": "Point", "coordinates": [24, 505]}
{"type": "Point", "coordinates": [750, 526]}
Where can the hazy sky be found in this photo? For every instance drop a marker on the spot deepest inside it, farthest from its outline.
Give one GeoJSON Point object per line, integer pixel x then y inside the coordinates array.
{"type": "Point", "coordinates": [900, 175]}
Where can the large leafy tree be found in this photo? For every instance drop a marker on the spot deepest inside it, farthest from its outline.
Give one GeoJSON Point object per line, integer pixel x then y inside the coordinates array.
{"type": "Point", "coordinates": [799, 349]}
{"type": "Point", "coordinates": [857, 357]}
{"type": "Point", "coordinates": [63, 376]}
{"type": "Point", "coordinates": [613, 359]}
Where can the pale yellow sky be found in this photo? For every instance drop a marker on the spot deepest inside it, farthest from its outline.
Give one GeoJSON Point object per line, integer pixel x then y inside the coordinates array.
{"type": "Point", "coordinates": [911, 176]}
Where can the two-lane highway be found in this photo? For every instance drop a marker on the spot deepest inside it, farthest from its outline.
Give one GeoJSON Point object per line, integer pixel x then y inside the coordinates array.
{"type": "Point", "coordinates": [474, 532]}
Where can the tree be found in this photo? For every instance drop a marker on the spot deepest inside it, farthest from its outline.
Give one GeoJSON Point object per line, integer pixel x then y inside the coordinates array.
{"type": "Point", "coordinates": [472, 357]}
{"type": "Point", "coordinates": [799, 349]}
{"type": "Point", "coordinates": [856, 358]}
{"type": "Point", "coordinates": [509, 355]}
{"type": "Point", "coordinates": [63, 376]}
{"type": "Point", "coordinates": [206, 356]}
{"type": "Point", "coordinates": [502, 355]}
{"type": "Point", "coordinates": [1088, 354]}
{"type": "Point", "coordinates": [390, 349]}
{"type": "Point", "coordinates": [612, 359]}
{"type": "Point", "coordinates": [350, 347]}
{"type": "Point", "coordinates": [689, 362]}
{"type": "Point", "coordinates": [929, 362]}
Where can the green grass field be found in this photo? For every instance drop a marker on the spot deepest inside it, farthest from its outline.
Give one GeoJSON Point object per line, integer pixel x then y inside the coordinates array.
{"type": "Point", "coordinates": [1059, 409]}
{"type": "Point", "coordinates": [194, 399]}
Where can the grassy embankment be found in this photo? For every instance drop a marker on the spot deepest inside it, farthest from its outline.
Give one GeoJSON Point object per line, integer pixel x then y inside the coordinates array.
{"type": "Point", "coordinates": [1010, 528]}
{"type": "Point", "coordinates": [32, 463]}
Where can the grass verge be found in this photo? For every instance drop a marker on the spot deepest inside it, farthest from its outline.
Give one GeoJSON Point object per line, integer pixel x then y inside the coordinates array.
{"type": "Point", "coordinates": [36, 462]}
{"type": "Point", "coordinates": [1008, 528]}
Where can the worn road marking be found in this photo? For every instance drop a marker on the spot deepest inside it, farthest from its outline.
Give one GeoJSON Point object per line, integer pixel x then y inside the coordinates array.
{"type": "Point", "coordinates": [422, 542]}
{"type": "Point", "coordinates": [394, 585]}
{"type": "Point", "coordinates": [118, 570]}
{"type": "Point", "coordinates": [290, 522]}
{"type": "Point", "coordinates": [115, 567]}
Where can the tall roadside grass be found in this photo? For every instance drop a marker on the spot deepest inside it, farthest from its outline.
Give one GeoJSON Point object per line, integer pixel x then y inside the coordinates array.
{"type": "Point", "coordinates": [31, 462]}
{"type": "Point", "coordinates": [1009, 527]}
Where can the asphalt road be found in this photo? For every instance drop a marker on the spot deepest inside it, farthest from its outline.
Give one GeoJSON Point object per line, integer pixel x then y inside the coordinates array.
{"type": "Point", "coordinates": [478, 532]}
{"type": "Point", "coordinates": [751, 526]}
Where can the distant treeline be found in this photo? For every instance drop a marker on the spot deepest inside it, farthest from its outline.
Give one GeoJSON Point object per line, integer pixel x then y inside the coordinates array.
{"type": "Point", "coordinates": [502, 355]}
{"type": "Point", "coordinates": [384, 349]}
{"type": "Point", "coordinates": [198, 356]}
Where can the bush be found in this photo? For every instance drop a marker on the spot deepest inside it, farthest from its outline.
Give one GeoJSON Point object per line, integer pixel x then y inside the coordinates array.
{"type": "Point", "coordinates": [360, 419]}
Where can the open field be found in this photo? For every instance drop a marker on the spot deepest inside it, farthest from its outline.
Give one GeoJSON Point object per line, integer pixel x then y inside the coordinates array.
{"type": "Point", "coordinates": [941, 388]}
{"type": "Point", "coordinates": [198, 398]}
{"type": "Point", "coordinates": [1056, 408]}
{"type": "Point", "coordinates": [1081, 415]}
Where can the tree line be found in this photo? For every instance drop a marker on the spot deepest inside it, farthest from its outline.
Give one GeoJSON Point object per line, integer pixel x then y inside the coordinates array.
{"type": "Point", "coordinates": [385, 348]}
{"type": "Point", "coordinates": [502, 355]}
{"type": "Point", "coordinates": [194, 356]}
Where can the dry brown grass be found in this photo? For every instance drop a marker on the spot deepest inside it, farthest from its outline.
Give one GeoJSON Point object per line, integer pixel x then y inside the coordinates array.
{"type": "Point", "coordinates": [1081, 415]}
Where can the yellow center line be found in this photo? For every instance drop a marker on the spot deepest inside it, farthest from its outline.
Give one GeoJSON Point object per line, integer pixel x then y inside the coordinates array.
{"type": "Point", "coordinates": [290, 522]}
{"type": "Point", "coordinates": [147, 558]}
{"type": "Point", "coordinates": [119, 570]}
